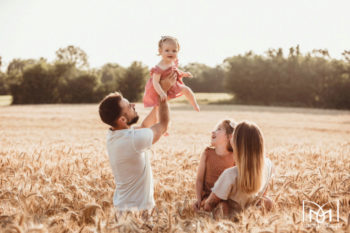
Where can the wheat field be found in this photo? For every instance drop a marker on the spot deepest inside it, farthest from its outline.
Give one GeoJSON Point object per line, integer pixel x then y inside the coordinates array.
{"type": "Point", "coordinates": [55, 174]}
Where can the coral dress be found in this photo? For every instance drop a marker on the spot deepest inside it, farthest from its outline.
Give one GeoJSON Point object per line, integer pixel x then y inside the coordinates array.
{"type": "Point", "coordinates": [151, 97]}
{"type": "Point", "coordinates": [214, 166]}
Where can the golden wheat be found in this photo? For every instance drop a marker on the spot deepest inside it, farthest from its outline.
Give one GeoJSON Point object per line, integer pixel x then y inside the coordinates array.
{"type": "Point", "coordinates": [55, 174]}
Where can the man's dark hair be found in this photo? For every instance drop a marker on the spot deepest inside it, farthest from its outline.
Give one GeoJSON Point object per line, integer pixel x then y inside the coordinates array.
{"type": "Point", "coordinates": [110, 109]}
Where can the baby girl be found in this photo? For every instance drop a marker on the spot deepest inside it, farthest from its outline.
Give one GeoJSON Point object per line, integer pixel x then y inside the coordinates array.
{"type": "Point", "coordinates": [168, 48]}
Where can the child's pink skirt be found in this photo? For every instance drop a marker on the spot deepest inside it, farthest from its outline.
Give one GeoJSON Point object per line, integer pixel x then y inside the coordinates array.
{"type": "Point", "coordinates": [151, 97]}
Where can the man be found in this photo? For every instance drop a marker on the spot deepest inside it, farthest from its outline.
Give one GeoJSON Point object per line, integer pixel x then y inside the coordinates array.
{"type": "Point", "coordinates": [127, 148]}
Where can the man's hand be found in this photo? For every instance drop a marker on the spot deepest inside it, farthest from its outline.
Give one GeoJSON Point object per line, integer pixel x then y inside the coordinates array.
{"type": "Point", "coordinates": [168, 81]}
{"type": "Point", "coordinates": [161, 127]}
{"type": "Point", "coordinates": [163, 96]}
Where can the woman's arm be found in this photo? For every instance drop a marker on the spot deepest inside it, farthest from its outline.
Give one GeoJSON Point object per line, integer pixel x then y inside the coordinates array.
{"type": "Point", "coordinates": [211, 202]}
{"type": "Point", "coordinates": [157, 87]}
{"type": "Point", "coordinates": [200, 179]}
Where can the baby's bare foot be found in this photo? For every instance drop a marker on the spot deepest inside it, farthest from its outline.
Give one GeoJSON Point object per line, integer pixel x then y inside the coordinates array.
{"type": "Point", "coordinates": [197, 108]}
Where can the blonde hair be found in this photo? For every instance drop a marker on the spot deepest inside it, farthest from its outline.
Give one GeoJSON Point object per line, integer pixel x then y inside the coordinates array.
{"type": "Point", "coordinates": [229, 126]}
{"type": "Point", "coordinates": [248, 145]}
{"type": "Point", "coordinates": [168, 38]}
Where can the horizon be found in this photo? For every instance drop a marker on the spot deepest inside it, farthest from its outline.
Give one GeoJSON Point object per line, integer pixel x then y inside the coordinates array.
{"type": "Point", "coordinates": [112, 32]}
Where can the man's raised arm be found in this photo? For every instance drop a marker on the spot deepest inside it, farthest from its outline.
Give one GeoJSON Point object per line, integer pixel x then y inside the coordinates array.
{"type": "Point", "coordinates": [161, 127]}
{"type": "Point", "coordinates": [166, 84]}
{"type": "Point", "coordinates": [163, 111]}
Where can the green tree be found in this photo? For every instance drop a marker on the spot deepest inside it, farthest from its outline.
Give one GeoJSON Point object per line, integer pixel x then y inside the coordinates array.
{"type": "Point", "coordinates": [311, 80]}
{"type": "Point", "coordinates": [206, 78]}
{"type": "Point", "coordinates": [133, 82]}
{"type": "Point", "coordinates": [38, 85]}
{"type": "Point", "coordinates": [73, 55]}
{"type": "Point", "coordinates": [110, 75]}
{"type": "Point", "coordinates": [65, 73]}
{"type": "Point", "coordinates": [15, 70]}
{"type": "Point", "coordinates": [81, 89]}
{"type": "Point", "coordinates": [4, 89]}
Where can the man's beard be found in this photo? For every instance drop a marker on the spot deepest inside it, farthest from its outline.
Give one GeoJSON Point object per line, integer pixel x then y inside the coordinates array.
{"type": "Point", "coordinates": [133, 120]}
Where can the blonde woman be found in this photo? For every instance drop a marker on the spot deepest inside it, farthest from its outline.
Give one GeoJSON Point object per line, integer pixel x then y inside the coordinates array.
{"type": "Point", "coordinates": [239, 186]}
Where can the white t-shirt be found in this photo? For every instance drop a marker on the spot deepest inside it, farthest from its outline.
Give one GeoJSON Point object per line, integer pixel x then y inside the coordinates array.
{"type": "Point", "coordinates": [225, 187]}
{"type": "Point", "coordinates": [129, 159]}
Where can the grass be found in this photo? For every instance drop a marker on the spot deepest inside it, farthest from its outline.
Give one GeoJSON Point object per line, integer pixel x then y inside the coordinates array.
{"type": "Point", "coordinates": [5, 100]}
{"type": "Point", "coordinates": [206, 98]}
{"type": "Point", "coordinates": [55, 175]}
{"type": "Point", "coordinates": [202, 98]}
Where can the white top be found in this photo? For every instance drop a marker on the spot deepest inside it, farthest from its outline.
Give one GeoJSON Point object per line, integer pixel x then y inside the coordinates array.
{"type": "Point", "coordinates": [129, 159]}
{"type": "Point", "coordinates": [225, 187]}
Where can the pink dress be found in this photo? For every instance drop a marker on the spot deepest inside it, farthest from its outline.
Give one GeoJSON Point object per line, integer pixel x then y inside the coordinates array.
{"type": "Point", "coordinates": [151, 97]}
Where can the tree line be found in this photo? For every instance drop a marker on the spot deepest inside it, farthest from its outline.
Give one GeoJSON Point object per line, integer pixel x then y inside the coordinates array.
{"type": "Point", "coordinates": [313, 79]}
{"type": "Point", "coordinates": [69, 80]}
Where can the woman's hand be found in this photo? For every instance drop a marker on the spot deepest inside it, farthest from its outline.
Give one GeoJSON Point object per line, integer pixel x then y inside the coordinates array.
{"type": "Point", "coordinates": [211, 202]}
{"type": "Point", "coordinates": [206, 206]}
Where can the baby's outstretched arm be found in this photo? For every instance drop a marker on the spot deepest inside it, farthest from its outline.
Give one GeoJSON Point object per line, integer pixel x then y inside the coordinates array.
{"type": "Point", "coordinates": [187, 74]}
{"type": "Point", "coordinates": [157, 87]}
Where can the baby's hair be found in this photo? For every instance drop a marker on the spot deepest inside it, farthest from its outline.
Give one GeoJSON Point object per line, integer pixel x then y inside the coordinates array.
{"type": "Point", "coordinates": [168, 38]}
{"type": "Point", "coordinates": [229, 126]}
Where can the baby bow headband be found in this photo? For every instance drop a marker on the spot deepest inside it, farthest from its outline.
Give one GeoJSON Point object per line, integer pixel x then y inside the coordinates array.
{"type": "Point", "coordinates": [167, 37]}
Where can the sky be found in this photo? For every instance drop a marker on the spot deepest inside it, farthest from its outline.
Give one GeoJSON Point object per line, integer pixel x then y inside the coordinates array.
{"type": "Point", "coordinates": [123, 31]}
